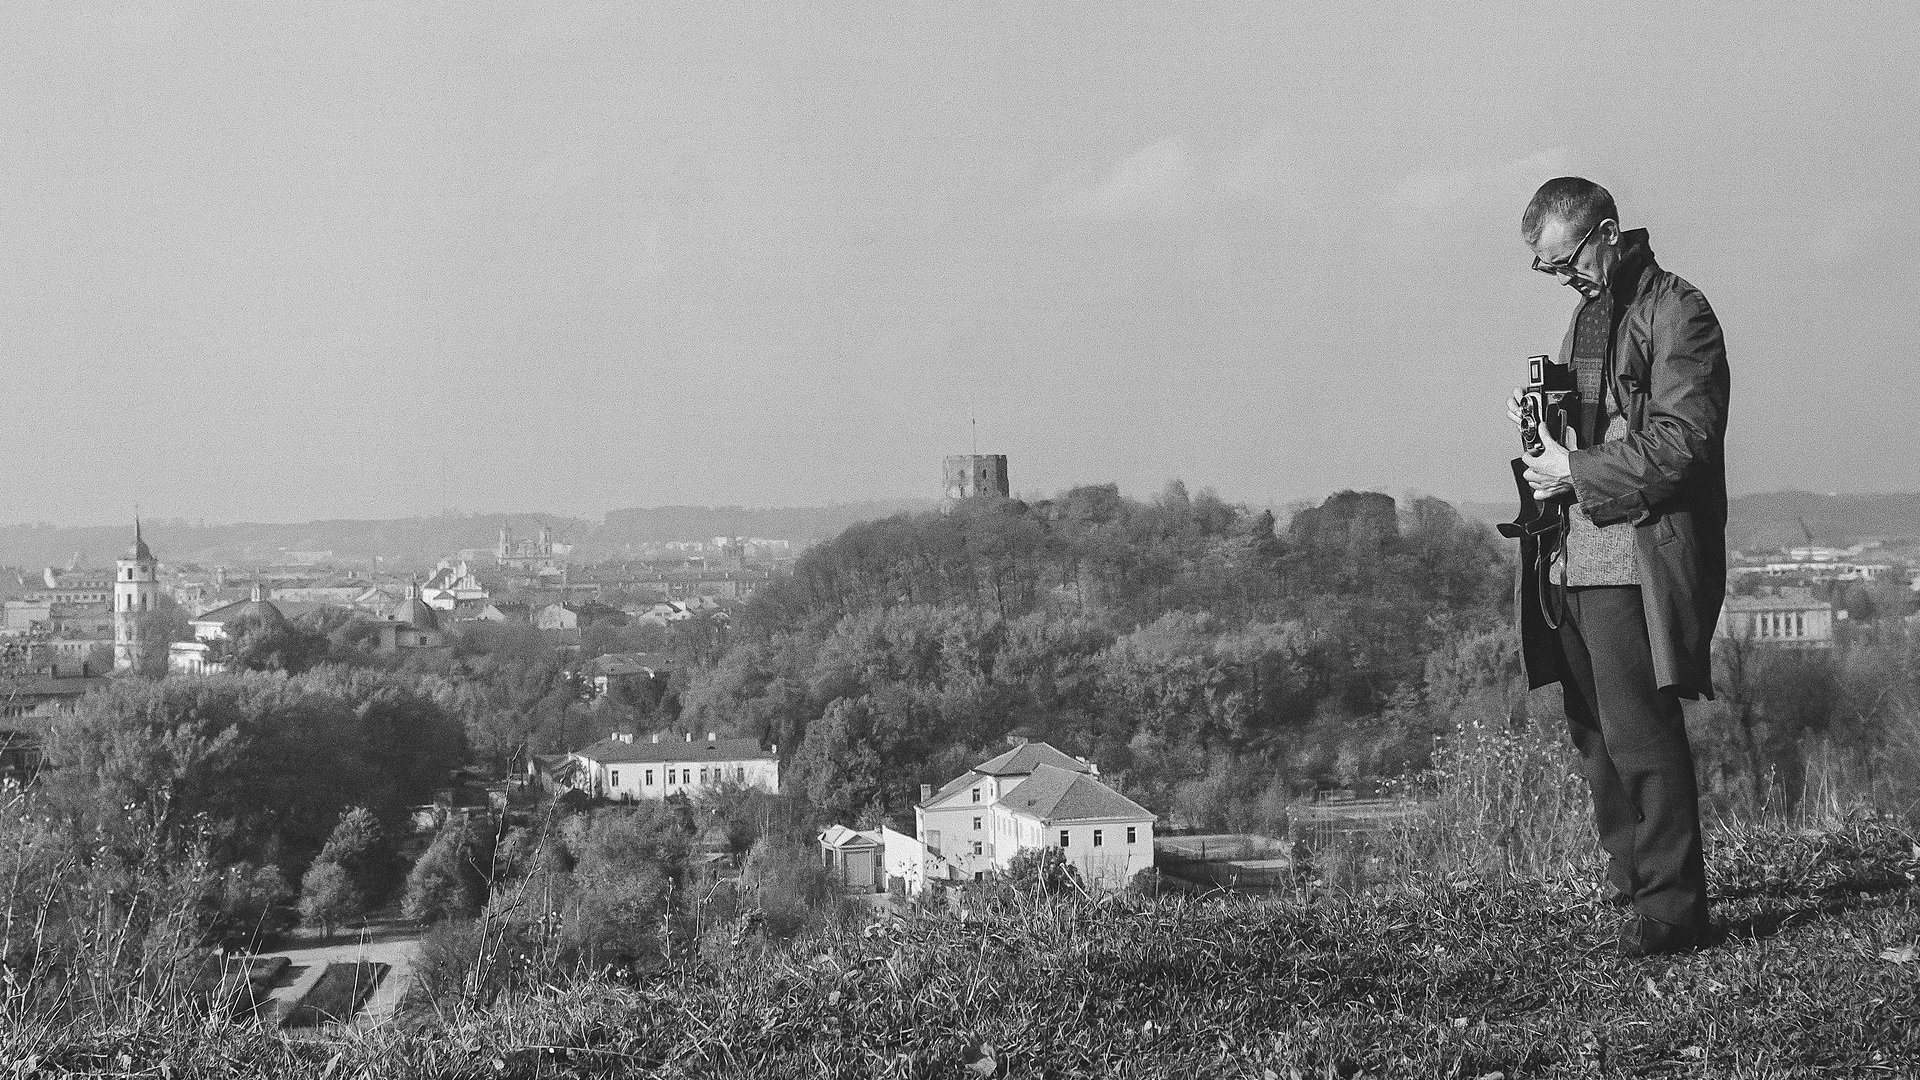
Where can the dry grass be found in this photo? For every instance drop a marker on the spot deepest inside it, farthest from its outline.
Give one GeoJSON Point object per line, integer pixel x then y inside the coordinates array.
{"type": "Point", "coordinates": [1440, 978]}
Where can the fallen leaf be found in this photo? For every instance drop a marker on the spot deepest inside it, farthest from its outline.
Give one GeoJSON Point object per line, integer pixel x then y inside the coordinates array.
{"type": "Point", "coordinates": [1905, 954]}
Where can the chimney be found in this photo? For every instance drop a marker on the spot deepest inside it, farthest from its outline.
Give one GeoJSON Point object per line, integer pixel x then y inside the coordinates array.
{"type": "Point", "coordinates": [711, 736]}
{"type": "Point", "coordinates": [623, 736]}
{"type": "Point", "coordinates": [656, 736]}
{"type": "Point", "coordinates": [689, 736]}
{"type": "Point", "coordinates": [926, 792]}
{"type": "Point", "coordinates": [258, 594]}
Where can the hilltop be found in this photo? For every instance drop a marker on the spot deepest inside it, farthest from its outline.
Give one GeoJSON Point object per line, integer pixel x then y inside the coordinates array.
{"type": "Point", "coordinates": [1469, 976]}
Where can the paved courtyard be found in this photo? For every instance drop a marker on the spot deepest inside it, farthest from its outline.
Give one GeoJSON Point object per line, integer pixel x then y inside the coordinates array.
{"type": "Point", "coordinates": [392, 943]}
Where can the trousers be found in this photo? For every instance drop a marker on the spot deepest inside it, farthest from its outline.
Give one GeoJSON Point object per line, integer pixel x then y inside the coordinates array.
{"type": "Point", "coordinates": [1634, 754]}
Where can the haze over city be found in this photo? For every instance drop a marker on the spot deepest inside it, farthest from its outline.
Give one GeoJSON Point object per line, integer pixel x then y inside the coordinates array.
{"type": "Point", "coordinates": [375, 260]}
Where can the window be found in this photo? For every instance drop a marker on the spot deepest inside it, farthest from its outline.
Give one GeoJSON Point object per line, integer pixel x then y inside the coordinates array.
{"type": "Point", "coordinates": [1096, 838]}
{"type": "Point", "coordinates": [616, 778]}
{"type": "Point", "coordinates": [703, 774]}
{"type": "Point", "coordinates": [1063, 838]}
{"type": "Point", "coordinates": [686, 776]}
{"type": "Point", "coordinates": [648, 777]}
{"type": "Point", "coordinates": [979, 875]}
{"type": "Point", "coordinates": [1130, 834]}
{"type": "Point", "coordinates": [976, 824]}
{"type": "Point", "coordinates": [979, 848]}
{"type": "Point", "coordinates": [976, 794]}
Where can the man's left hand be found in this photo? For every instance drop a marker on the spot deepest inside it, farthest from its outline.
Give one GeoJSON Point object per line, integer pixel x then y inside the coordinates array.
{"type": "Point", "coordinates": [1549, 471]}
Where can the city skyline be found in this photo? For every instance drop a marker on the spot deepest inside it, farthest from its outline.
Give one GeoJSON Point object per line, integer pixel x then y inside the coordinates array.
{"type": "Point", "coordinates": [268, 265]}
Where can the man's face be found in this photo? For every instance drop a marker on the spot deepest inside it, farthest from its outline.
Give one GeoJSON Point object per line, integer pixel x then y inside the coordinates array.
{"type": "Point", "coordinates": [1579, 257]}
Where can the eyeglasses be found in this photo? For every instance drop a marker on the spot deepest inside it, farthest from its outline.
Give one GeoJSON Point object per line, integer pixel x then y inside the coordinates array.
{"type": "Point", "coordinates": [1564, 267]}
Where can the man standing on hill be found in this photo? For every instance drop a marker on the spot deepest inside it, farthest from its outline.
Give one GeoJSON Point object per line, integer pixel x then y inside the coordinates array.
{"type": "Point", "coordinates": [1644, 558]}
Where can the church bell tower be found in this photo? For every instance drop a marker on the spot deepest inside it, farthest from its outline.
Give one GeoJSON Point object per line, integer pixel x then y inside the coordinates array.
{"type": "Point", "coordinates": [136, 586]}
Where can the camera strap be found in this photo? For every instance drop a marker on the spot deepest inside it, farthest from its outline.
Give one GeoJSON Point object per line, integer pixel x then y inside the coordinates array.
{"type": "Point", "coordinates": [1552, 594]}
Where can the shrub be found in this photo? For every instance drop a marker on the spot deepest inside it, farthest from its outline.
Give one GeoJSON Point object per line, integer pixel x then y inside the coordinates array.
{"type": "Point", "coordinates": [450, 879]}
{"type": "Point", "coordinates": [787, 885]}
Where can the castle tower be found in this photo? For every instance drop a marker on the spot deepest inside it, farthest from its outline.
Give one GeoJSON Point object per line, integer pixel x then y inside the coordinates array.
{"type": "Point", "coordinates": [970, 476]}
{"type": "Point", "coordinates": [136, 588]}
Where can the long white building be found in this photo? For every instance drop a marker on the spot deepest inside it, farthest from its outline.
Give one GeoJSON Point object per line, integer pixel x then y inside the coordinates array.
{"type": "Point", "coordinates": [623, 767]}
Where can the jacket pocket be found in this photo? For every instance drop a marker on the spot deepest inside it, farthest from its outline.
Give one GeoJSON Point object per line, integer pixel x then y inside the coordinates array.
{"type": "Point", "coordinates": [1664, 532]}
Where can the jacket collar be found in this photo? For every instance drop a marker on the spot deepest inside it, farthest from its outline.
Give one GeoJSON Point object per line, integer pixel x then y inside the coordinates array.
{"type": "Point", "coordinates": [1636, 266]}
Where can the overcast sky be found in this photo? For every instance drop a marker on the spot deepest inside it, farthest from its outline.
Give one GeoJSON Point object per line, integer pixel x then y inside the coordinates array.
{"type": "Point", "coordinates": [276, 261]}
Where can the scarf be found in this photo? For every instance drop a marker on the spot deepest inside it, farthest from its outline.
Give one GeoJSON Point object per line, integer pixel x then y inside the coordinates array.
{"type": "Point", "coordinates": [1592, 348]}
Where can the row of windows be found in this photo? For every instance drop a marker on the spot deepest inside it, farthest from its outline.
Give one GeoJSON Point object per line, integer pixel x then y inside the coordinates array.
{"type": "Point", "coordinates": [1781, 624]}
{"type": "Point", "coordinates": [1099, 838]}
{"type": "Point", "coordinates": [708, 775]}
{"type": "Point", "coordinates": [1065, 836]}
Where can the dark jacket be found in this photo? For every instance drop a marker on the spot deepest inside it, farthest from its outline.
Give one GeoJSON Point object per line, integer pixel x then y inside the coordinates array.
{"type": "Point", "coordinates": [1667, 476]}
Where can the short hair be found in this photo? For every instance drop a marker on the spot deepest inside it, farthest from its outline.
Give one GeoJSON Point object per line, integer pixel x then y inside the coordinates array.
{"type": "Point", "coordinates": [1579, 202]}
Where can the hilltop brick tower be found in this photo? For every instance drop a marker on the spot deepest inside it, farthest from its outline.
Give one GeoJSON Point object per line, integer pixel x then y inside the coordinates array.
{"type": "Point", "coordinates": [136, 587]}
{"type": "Point", "coordinates": [971, 476]}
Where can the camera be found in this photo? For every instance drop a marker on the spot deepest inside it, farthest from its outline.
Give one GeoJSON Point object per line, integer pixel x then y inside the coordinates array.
{"type": "Point", "coordinates": [1548, 400]}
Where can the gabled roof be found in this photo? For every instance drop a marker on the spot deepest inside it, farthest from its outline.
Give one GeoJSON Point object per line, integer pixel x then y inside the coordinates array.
{"type": "Point", "coordinates": [1023, 759]}
{"type": "Point", "coordinates": [1019, 761]}
{"type": "Point", "coordinates": [950, 787]}
{"type": "Point", "coordinates": [1055, 795]}
{"type": "Point", "coordinates": [839, 836]}
{"type": "Point", "coordinates": [616, 752]}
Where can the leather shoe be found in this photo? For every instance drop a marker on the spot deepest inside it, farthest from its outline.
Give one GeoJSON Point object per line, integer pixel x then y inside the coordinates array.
{"type": "Point", "coordinates": [1641, 936]}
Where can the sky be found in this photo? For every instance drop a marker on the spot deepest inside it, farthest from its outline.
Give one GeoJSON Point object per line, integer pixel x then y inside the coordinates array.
{"type": "Point", "coordinates": [264, 262]}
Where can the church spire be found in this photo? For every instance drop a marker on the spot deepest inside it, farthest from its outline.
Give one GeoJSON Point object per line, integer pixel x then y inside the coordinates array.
{"type": "Point", "coordinates": [139, 552]}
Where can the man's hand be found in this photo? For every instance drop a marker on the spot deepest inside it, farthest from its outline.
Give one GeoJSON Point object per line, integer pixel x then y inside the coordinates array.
{"type": "Point", "coordinates": [1549, 471]}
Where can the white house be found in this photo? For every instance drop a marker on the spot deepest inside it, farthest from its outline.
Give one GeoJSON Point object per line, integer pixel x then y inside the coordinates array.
{"type": "Point", "coordinates": [1102, 833]}
{"type": "Point", "coordinates": [954, 824]}
{"type": "Point", "coordinates": [619, 767]}
{"type": "Point", "coordinates": [1030, 797]}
